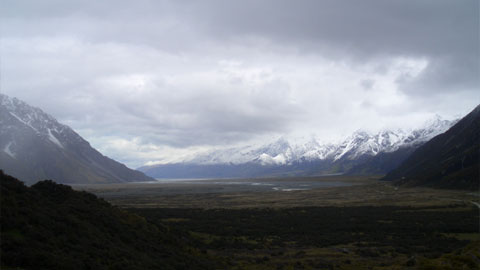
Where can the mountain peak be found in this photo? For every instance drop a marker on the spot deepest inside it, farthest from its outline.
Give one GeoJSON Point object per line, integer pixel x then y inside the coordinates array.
{"type": "Point", "coordinates": [436, 122]}
{"type": "Point", "coordinates": [17, 114]}
{"type": "Point", "coordinates": [35, 146]}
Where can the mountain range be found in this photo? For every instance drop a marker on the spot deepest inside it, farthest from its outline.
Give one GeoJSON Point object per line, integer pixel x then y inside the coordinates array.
{"type": "Point", "coordinates": [360, 153]}
{"type": "Point", "coordinates": [35, 146]}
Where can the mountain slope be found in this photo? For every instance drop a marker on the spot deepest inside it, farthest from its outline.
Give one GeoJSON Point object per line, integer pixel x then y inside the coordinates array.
{"type": "Point", "coordinates": [450, 160]}
{"type": "Point", "coordinates": [34, 146]}
{"type": "Point", "coordinates": [360, 153]}
{"type": "Point", "coordinates": [381, 163]}
{"type": "Point", "coordinates": [51, 226]}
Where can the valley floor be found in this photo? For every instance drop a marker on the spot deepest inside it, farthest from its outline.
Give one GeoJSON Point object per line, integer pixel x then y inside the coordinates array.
{"type": "Point", "coordinates": [355, 191]}
{"type": "Point", "coordinates": [366, 224]}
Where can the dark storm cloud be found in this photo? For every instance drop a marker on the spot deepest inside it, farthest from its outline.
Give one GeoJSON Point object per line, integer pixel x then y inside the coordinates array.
{"type": "Point", "coordinates": [444, 32]}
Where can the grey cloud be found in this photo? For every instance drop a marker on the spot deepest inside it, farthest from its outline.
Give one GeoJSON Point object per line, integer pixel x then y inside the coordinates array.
{"type": "Point", "coordinates": [374, 27]}
{"type": "Point", "coordinates": [367, 84]}
{"type": "Point", "coordinates": [446, 74]}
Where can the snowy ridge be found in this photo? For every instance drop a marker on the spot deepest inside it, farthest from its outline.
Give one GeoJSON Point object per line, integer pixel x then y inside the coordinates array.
{"type": "Point", "coordinates": [285, 151]}
{"type": "Point", "coordinates": [26, 116]}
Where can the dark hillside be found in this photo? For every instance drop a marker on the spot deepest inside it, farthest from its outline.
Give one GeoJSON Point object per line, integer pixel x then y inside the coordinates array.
{"type": "Point", "coordinates": [449, 160]}
{"type": "Point", "coordinates": [382, 163]}
{"type": "Point", "coordinates": [51, 226]}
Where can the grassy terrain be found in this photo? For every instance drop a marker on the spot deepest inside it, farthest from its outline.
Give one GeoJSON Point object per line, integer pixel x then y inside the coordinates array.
{"type": "Point", "coordinates": [368, 225]}
{"type": "Point", "coordinates": [365, 237]}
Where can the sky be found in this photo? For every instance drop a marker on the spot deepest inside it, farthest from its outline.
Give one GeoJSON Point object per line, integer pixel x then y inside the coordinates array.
{"type": "Point", "coordinates": [157, 81]}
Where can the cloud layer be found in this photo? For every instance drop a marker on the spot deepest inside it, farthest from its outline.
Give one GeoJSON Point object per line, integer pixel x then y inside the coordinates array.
{"type": "Point", "coordinates": [158, 80]}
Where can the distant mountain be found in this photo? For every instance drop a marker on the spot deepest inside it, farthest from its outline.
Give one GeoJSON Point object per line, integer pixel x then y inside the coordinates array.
{"type": "Point", "coordinates": [450, 160]}
{"type": "Point", "coordinates": [51, 226]}
{"type": "Point", "coordinates": [360, 153]}
{"type": "Point", "coordinates": [35, 146]}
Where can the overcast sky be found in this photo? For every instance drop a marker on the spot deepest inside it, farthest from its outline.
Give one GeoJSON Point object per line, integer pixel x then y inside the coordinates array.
{"type": "Point", "coordinates": [157, 80]}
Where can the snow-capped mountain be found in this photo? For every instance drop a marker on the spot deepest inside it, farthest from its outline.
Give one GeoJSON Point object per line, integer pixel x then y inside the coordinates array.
{"type": "Point", "coordinates": [363, 143]}
{"type": "Point", "coordinates": [35, 146]}
{"type": "Point", "coordinates": [17, 116]}
{"type": "Point", "coordinates": [295, 154]}
{"type": "Point", "coordinates": [284, 151]}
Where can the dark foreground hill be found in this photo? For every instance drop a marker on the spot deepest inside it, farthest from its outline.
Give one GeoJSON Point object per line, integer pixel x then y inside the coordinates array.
{"type": "Point", "coordinates": [449, 160]}
{"type": "Point", "coordinates": [51, 226]}
{"type": "Point", "coordinates": [34, 146]}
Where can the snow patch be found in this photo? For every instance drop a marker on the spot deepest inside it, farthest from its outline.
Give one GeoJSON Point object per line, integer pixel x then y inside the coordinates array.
{"type": "Point", "coordinates": [266, 159]}
{"type": "Point", "coordinates": [54, 139]}
{"type": "Point", "coordinates": [9, 152]}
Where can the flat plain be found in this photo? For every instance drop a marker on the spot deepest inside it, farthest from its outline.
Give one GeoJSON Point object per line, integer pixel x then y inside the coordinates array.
{"type": "Point", "coordinates": [260, 193]}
